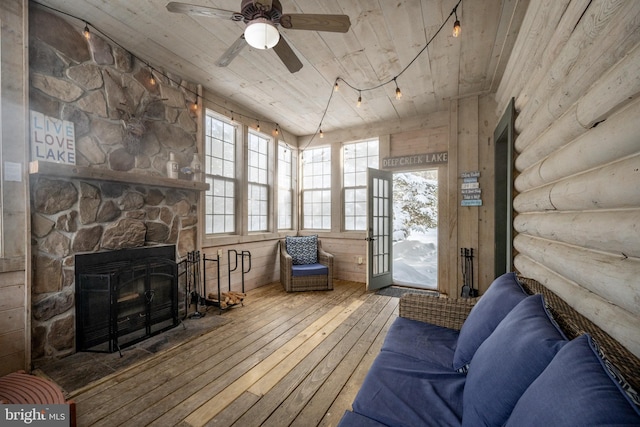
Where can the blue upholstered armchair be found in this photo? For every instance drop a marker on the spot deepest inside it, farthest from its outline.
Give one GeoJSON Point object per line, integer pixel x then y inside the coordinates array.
{"type": "Point", "coordinates": [304, 266]}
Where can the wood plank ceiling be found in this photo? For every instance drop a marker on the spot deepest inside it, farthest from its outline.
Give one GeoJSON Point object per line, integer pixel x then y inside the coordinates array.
{"type": "Point", "coordinates": [385, 36]}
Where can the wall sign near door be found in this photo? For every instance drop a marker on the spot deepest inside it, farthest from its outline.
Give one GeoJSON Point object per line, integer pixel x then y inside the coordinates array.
{"type": "Point", "coordinates": [470, 189]}
{"type": "Point", "coordinates": [426, 159]}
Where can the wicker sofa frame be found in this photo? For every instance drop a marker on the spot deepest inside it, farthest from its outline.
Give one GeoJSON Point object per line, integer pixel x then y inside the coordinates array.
{"type": "Point", "coordinates": [451, 313]}
{"type": "Point", "coordinates": [305, 283]}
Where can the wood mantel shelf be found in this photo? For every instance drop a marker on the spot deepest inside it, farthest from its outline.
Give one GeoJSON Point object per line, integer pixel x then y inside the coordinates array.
{"type": "Point", "coordinates": [95, 174]}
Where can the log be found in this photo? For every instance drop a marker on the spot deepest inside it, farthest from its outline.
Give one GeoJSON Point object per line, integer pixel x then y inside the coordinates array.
{"type": "Point", "coordinates": [612, 92]}
{"type": "Point", "coordinates": [588, 32]}
{"type": "Point", "coordinates": [609, 231]}
{"type": "Point", "coordinates": [530, 48]}
{"type": "Point", "coordinates": [611, 276]}
{"type": "Point", "coordinates": [611, 187]}
{"type": "Point", "coordinates": [614, 139]}
{"type": "Point", "coordinates": [620, 324]}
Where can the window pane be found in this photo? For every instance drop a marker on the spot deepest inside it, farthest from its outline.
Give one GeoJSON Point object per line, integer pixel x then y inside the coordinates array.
{"type": "Point", "coordinates": [357, 158]}
{"type": "Point", "coordinates": [316, 180]}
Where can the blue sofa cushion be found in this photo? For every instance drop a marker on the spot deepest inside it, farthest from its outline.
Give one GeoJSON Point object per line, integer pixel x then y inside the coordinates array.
{"type": "Point", "coordinates": [403, 391]}
{"type": "Point", "coordinates": [351, 419]}
{"type": "Point", "coordinates": [575, 390]}
{"type": "Point", "coordinates": [422, 341]}
{"type": "Point", "coordinates": [303, 249]}
{"type": "Point", "coordinates": [508, 361]}
{"type": "Point", "coordinates": [309, 270]}
{"type": "Point", "coordinates": [503, 294]}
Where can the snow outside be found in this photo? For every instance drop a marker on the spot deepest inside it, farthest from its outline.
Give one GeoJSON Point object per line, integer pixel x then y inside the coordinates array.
{"type": "Point", "coordinates": [415, 225]}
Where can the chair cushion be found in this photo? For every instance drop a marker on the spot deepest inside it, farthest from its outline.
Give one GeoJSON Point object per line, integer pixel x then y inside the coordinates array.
{"type": "Point", "coordinates": [422, 341]}
{"type": "Point", "coordinates": [576, 389]}
{"type": "Point", "coordinates": [303, 249]}
{"type": "Point", "coordinates": [503, 294]}
{"type": "Point", "coordinates": [309, 270]}
{"type": "Point", "coordinates": [403, 391]}
{"type": "Point", "coordinates": [508, 361]}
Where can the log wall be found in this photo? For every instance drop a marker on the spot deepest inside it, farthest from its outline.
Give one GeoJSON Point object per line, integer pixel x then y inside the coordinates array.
{"type": "Point", "coordinates": [578, 158]}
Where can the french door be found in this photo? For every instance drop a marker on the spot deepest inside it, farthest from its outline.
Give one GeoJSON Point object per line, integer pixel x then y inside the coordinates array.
{"type": "Point", "coordinates": [379, 228]}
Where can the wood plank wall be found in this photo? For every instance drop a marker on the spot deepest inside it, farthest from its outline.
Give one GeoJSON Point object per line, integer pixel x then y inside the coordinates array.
{"type": "Point", "coordinates": [15, 337]}
{"type": "Point", "coordinates": [578, 154]}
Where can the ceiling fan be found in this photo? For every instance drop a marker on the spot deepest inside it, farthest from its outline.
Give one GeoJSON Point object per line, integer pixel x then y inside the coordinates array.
{"type": "Point", "coordinates": [262, 18]}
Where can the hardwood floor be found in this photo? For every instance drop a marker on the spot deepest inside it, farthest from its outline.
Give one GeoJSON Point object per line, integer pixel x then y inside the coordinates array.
{"type": "Point", "coordinates": [282, 359]}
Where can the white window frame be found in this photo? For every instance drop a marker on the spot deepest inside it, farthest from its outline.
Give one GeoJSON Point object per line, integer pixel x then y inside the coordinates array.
{"type": "Point", "coordinates": [259, 175]}
{"type": "Point", "coordinates": [316, 189]}
{"type": "Point", "coordinates": [225, 183]}
{"type": "Point", "coordinates": [356, 158]}
{"type": "Point", "coordinates": [285, 188]}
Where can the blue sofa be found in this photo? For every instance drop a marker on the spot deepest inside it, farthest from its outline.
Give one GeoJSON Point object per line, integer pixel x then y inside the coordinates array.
{"type": "Point", "coordinates": [502, 359]}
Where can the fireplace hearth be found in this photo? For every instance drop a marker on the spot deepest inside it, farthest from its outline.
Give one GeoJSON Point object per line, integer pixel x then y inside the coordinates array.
{"type": "Point", "coordinates": [124, 297]}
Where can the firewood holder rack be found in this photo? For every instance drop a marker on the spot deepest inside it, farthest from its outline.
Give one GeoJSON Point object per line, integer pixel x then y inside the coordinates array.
{"type": "Point", "coordinates": [243, 255]}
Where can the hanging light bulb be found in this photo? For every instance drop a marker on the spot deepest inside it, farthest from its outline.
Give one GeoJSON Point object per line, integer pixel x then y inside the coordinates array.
{"type": "Point", "coordinates": [398, 91]}
{"type": "Point", "coordinates": [152, 79]}
{"type": "Point", "coordinates": [85, 32]}
{"type": "Point", "coordinates": [359, 99]}
{"type": "Point", "coordinates": [277, 131]}
{"type": "Point", "coordinates": [456, 25]}
{"type": "Point", "coordinates": [258, 127]}
{"type": "Point", "coordinates": [321, 134]}
{"type": "Point", "coordinates": [336, 87]}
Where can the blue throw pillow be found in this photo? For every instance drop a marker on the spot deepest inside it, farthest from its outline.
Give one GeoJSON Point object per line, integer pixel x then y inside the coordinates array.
{"type": "Point", "coordinates": [504, 293]}
{"type": "Point", "coordinates": [508, 361]}
{"type": "Point", "coordinates": [303, 249]}
{"type": "Point", "coordinates": [575, 390]}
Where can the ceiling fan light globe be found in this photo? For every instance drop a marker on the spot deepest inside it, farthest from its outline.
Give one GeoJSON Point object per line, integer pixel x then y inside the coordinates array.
{"type": "Point", "coordinates": [261, 34]}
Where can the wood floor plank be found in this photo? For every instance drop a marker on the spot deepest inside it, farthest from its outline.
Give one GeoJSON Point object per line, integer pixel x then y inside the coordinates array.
{"type": "Point", "coordinates": [345, 397]}
{"type": "Point", "coordinates": [312, 335]}
{"type": "Point", "coordinates": [281, 359]}
{"type": "Point", "coordinates": [183, 370]}
{"type": "Point", "coordinates": [315, 409]}
{"type": "Point", "coordinates": [293, 404]}
{"type": "Point", "coordinates": [272, 401]}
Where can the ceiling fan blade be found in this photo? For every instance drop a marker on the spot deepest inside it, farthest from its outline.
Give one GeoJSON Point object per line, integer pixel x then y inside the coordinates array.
{"type": "Point", "coordinates": [300, 21]}
{"type": "Point", "coordinates": [287, 55]}
{"type": "Point", "coordinates": [232, 52]}
{"type": "Point", "coordinates": [195, 10]}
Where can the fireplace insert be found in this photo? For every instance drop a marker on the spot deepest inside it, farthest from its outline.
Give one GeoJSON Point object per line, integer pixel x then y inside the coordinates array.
{"type": "Point", "coordinates": [124, 297]}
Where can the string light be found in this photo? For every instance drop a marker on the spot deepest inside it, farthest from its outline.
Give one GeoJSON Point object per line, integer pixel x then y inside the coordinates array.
{"type": "Point", "coordinates": [456, 25]}
{"type": "Point", "coordinates": [258, 127]}
{"type": "Point", "coordinates": [277, 131]}
{"type": "Point", "coordinates": [152, 80]}
{"type": "Point", "coordinates": [398, 91]}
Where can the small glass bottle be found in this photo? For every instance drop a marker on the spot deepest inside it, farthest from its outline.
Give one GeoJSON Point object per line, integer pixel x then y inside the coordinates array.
{"type": "Point", "coordinates": [196, 168]}
{"type": "Point", "coordinates": [172, 167]}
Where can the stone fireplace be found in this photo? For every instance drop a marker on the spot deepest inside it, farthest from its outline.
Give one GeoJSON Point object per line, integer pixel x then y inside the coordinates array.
{"type": "Point", "coordinates": [117, 196]}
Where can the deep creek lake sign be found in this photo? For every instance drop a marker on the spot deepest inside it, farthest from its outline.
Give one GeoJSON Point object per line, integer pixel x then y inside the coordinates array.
{"type": "Point", "coordinates": [415, 160]}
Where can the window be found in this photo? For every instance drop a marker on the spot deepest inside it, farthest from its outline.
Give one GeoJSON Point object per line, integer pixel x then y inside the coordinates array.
{"type": "Point", "coordinates": [258, 189]}
{"type": "Point", "coordinates": [357, 157]}
{"type": "Point", "coordinates": [220, 174]}
{"type": "Point", "coordinates": [316, 188]}
{"type": "Point", "coordinates": [285, 188]}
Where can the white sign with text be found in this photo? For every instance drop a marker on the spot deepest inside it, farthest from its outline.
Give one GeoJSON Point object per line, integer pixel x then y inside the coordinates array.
{"type": "Point", "coordinates": [52, 140]}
